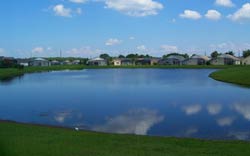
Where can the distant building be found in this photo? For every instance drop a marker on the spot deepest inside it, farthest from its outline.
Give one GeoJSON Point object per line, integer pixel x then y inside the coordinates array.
{"type": "Point", "coordinates": [76, 62]}
{"type": "Point", "coordinates": [97, 62]}
{"type": "Point", "coordinates": [55, 63]}
{"type": "Point", "coordinates": [172, 60]}
{"type": "Point", "coordinates": [226, 59]}
{"type": "Point", "coordinates": [143, 61]}
{"type": "Point", "coordinates": [67, 62]}
{"type": "Point", "coordinates": [117, 62]}
{"type": "Point", "coordinates": [246, 61]}
{"type": "Point", "coordinates": [196, 60]}
{"type": "Point", "coordinates": [23, 62]}
{"type": "Point", "coordinates": [154, 61]}
{"type": "Point", "coordinates": [39, 62]}
{"type": "Point", "coordinates": [122, 62]}
{"type": "Point", "coordinates": [7, 61]}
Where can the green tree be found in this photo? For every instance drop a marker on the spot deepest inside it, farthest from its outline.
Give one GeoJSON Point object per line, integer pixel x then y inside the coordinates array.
{"type": "Point", "coordinates": [246, 53]}
{"type": "Point", "coordinates": [230, 53]}
{"type": "Point", "coordinates": [105, 56]}
{"type": "Point", "coordinates": [214, 54]}
{"type": "Point", "coordinates": [121, 56]}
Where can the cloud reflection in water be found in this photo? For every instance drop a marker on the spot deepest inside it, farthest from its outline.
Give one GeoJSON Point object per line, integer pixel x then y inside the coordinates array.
{"type": "Point", "coordinates": [137, 121]}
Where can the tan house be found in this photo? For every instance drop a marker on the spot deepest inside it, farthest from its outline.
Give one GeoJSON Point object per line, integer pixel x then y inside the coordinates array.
{"type": "Point", "coordinates": [196, 60]}
{"type": "Point", "coordinates": [246, 61]}
{"type": "Point", "coordinates": [226, 59]}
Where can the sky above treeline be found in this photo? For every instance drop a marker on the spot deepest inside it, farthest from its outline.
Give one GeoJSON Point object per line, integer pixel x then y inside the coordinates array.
{"type": "Point", "coordinates": [87, 28]}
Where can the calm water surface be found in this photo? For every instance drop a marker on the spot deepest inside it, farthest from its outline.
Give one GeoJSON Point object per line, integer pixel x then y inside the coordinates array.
{"type": "Point", "coordinates": [174, 102]}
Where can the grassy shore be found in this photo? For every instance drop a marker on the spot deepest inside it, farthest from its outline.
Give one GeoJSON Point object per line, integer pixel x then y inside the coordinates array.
{"type": "Point", "coordinates": [9, 73]}
{"type": "Point", "coordinates": [236, 75]}
{"type": "Point", "coordinates": [24, 140]}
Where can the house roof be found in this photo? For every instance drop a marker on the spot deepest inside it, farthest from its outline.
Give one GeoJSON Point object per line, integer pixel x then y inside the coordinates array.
{"type": "Point", "coordinates": [40, 59]}
{"type": "Point", "coordinates": [97, 59]}
{"type": "Point", "coordinates": [176, 57]}
{"type": "Point", "coordinates": [201, 57]}
{"type": "Point", "coordinates": [228, 56]}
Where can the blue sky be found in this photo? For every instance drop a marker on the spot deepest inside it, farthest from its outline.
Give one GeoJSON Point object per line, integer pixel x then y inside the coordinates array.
{"type": "Point", "coordinates": [87, 28]}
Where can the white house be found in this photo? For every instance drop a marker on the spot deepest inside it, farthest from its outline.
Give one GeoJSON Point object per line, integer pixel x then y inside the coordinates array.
{"type": "Point", "coordinates": [246, 61]}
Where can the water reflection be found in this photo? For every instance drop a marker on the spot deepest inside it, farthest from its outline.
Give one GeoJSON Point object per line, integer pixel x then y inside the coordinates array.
{"type": "Point", "coordinates": [137, 102]}
{"type": "Point", "coordinates": [214, 109]}
{"type": "Point", "coordinates": [225, 121]}
{"type": "Point", "coordinates": [137, 121]}
{"type": "Point", "coordinates": [243, 109]}
{"type": "Point", "coordinates": [192, 109]}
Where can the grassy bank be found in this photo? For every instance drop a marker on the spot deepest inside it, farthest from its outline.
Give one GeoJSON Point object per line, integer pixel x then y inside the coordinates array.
{"type": "Point", "coordinates": [23, 140]}
{"type": "Point", "coordinates": [237, 75]}
{"type": "Point", "coordinates": [9, 73]}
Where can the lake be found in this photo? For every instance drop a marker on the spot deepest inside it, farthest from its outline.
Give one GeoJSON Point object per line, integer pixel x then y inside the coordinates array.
{"type": "Point", "coordinates": [158, 102]}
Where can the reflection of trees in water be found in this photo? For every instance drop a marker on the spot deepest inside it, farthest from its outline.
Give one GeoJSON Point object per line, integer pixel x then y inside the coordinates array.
{"type": "Point", "coordinates": [10, 80]}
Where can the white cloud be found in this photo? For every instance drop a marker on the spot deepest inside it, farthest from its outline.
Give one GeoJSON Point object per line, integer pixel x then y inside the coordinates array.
{"type": "Point", "coordinates": [134, 122]}
{"type": "Point", "coordinates": [214, 109]}
{"type": "Point", "coordinates": [84, 52]}
{"type": "Point", "coordinates": [79, 11]}
{"type": "Point", "coordinates": [60, 10]}
{"type": "Point", "coordinates": [242, 14]}
{"type": "Point", "coordinates": [112, 42]}
{"type": "Point", "coordinates": [142, 48]}
{"type": "Point", "coordinates": [38, 50]}
{"type": "Point", "coordinates": [226, 121]}
{"type": "Point", "coordinates": [229, 46]}
{"type": "Point", "coordinates": [169, 48]}
{"type": "Point", "coordinates": [78, 1]}
{"type": "Point", "coordinates": [2, 51]}
{"type": "Point", "coordinates": [225, 3]}
{"type": "Point", "coordinates": [190, 14]}
{"type": "Point", "coordinates": [243, 109]}
{"type": "Point", "coordinates": [213, 15]}
{"type": "Point", "coordinates": [137, 8]}
{"type": "Point", "coordinates": [240, 135]}
{"type": "Point", "coordinates": [192, 109]}
{"type": "Point", "coordinates": [132, 38]}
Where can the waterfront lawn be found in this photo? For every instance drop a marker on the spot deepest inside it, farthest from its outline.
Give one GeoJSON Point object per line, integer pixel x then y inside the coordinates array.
{"type": "Point", "coordinates": [24, 140]}
{"type": "Point", "coordinates": [237, 75]}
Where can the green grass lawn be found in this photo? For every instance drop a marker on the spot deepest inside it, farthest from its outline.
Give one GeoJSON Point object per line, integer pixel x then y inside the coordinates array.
{"type": "Point", "coordinates": [237, 75]}
{"type": "Point", "coordinates": [29, 140]}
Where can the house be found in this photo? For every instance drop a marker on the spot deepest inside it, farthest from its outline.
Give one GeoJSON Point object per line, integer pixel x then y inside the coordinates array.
{"type": "Point", "coordinates": [143, 61]}
{"type": "Point", "coordinates": [172, 60]}
{"type": "Point", "coordinates": [8, 62]}
{"type": "Point", "coordinates": [55, 63]}
{"type": "Point", "coordinates": [67, 62]}
{"type": "Point", "coordinates": [122, 62]}
{"type": "Point", "coordinates": [39, 62]}
{"type": "Point", "coordinates": [117, 62]}
{"type": "Point", "coordinates": [127, 62]}
{"type": "Point", "coordinates": [246, 61]}
{"type": "Point", "coordinates": [196, 60]}
{"type": "Point", "coordinates": [76, 62]}
{"type": "Point", "coordinates": [225, 59]}
{"type": "Point", "coordinates": [97, 62]}
{"type": "Point", "coordinates": [147, 61]}
{"type": "Point", "coordinates": [23, 62]}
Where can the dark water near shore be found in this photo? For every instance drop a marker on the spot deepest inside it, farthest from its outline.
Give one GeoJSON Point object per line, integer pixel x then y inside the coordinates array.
{"type": "Point", "coordinates": [172, 102]}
